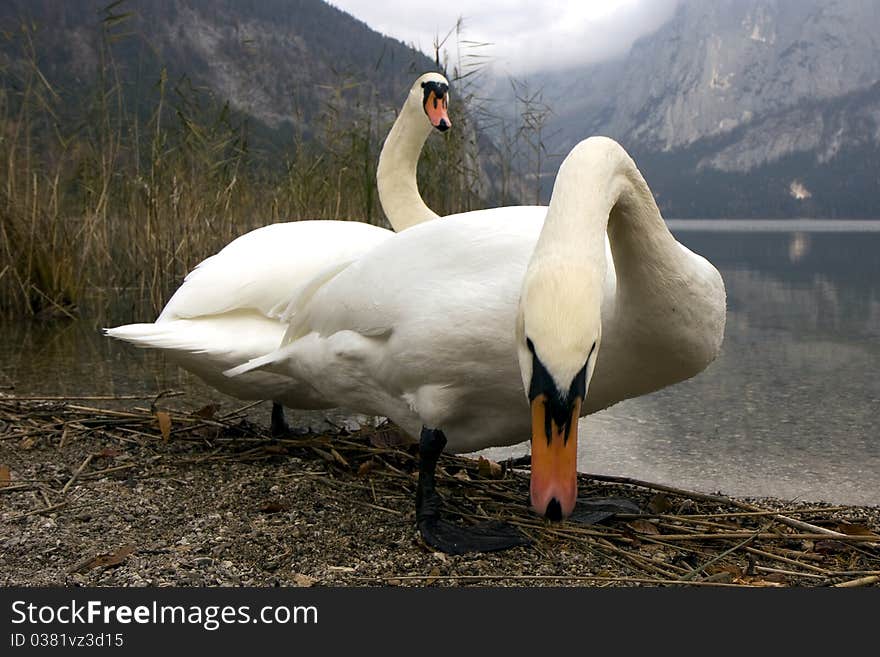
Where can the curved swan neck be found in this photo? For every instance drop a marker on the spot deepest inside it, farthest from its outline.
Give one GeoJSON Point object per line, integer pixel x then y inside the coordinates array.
{"type": "Point", "coordinates": [398, 163]}
{"type": "Point", "coordinates": [661, 306]}
{"type": "Point", "coordinates": [599, 189]}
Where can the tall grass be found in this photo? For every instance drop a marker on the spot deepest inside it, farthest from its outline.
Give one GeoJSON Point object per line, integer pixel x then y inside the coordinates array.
{"type": "Point", "coordinates": [104, 209]}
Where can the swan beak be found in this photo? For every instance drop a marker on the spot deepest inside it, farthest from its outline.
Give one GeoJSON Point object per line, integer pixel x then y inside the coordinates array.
{"type": "Point", "coordinates": [553, 487]}
{"type": "Point", "coordinates": [435, 108]}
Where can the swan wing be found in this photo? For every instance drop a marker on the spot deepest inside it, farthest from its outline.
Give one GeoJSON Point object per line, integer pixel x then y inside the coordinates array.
{"type": "Point", "coordinates": [258, 270]}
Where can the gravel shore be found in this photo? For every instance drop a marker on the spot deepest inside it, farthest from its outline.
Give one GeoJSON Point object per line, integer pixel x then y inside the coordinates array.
{"type": "Point", "coordinates": [153, 497]}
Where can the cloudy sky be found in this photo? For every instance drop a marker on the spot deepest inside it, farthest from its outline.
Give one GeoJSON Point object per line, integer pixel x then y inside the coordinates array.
{"type": "Point", "coordinates": [525, 36]}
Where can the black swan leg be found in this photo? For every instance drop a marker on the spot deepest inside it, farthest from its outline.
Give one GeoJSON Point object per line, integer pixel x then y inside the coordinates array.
{"type": "Point", "coordinates": [443, 535]}
{"type": "Point", "coordinates": [279, 427]}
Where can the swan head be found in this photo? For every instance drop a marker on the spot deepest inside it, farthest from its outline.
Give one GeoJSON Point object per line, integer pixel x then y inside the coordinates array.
{"type": "Point", "coordinates": [559, 333]}
{"type": "Point", "coordinates": [431, 91]}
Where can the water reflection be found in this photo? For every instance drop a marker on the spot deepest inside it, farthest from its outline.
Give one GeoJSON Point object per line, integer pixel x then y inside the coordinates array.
{"type": "Point", "coordinates": [789, 409]}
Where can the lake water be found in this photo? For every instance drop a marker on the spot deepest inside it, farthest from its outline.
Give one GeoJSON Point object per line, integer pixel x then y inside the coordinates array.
{"type": "Point", "coordinates": [790, 409]}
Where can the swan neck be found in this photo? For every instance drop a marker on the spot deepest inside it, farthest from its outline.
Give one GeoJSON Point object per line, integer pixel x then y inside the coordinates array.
{"type": "Point", "coordinates": [396, 176]}
{"type": "Point", "coordinates": [598, 191]}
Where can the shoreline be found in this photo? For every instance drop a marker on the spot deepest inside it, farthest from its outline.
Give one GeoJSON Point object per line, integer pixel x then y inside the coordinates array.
{"type": "Point", "coordinates": [153, 496]}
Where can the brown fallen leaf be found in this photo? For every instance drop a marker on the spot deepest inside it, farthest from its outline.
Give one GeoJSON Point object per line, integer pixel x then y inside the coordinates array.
{"type": "Point", "coordinates": [304, 580]}
{"type": "Point", "coordinates": [105, 560]}
{"type": "Point", "coordinates": [432, 576]}
{"type": "Point", "coordinates": [208, 411]}
{"type": "Point", "coordinates": [5, 476]}
{"type": "Point", "coordinates": [164, 420]}
{"type": "Point", "coordinates": [273, 507]}
{"type": "Point", "coordinates": [27, 443]}
{"type": "Point", "coordinates": [659, 503]}
{"type": "Point", "coordinates": [489, 469]}
{"type": "Point", "coordinates": [109, 452]}
{"type": "Point", "coordinates": [852, 529]}
{"type": "Point", "coordinates": [733, 570]}
{"type": "Point", "coordinates": [366, 467]}
{"type": "Point", "coordinates": [643, 527]}
{"type": "Point", "coordinates": [753, 581]}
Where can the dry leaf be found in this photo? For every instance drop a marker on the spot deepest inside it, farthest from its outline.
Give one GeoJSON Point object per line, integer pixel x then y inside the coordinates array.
{"type": "Point", "coordinates": [734, 571]}
{"type": "Point", "coordinates": [855, 530]}
{"type": "Point", "coordinates": [273, 507]}
{"type": "Point", "coordinates": [489, 469]}
{"type": "Point", "coordinates": [304, 580]}
{"type": "Point", "coordinates": [433, 575]}
{"type": "Point", "coordinates": [275, 449]}
{"type": "Point", "coordinates": [164, 424]}
{"type": "Point", "coordinates": [659, 504]}
{"type": "Point", "coordinates": [643, 527]}
{"type": "Point", "coordinates": [207, 411]}
{"type": "Point", "coordinates": [751, 581]}
{"type": "Point", "coordinates": [27, 443]}
{"type": "Point", "coordinates": [109, 452]}
{"type": "Point", "coordinates": [5, 477]}
{"type": "Point", "coordinates": [105, 560]}
{"type": "Point", "coordinates": [462, 475]}
{"type": "Point", "coordinates": [366, 467]}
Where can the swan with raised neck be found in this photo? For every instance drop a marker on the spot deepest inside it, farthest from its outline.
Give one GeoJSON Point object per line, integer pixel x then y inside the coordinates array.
{"type": "Point", "coordinates": [396, 176]}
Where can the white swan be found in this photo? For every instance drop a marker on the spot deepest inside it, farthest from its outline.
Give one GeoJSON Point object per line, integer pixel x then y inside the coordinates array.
{"type": "Point", "coordinates": [443, 326]}
{"type": "Point", "coordinates": [227, 309]}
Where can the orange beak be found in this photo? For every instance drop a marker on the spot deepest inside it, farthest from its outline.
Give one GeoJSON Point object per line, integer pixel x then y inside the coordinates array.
{"type": "Point", "coordinates": [435, 108]}
{"type": "Point", "coordinates": [553, 487]}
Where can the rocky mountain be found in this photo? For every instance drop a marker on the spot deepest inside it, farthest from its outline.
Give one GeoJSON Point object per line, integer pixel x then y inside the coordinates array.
{"type": "Point", "coordinates": [741, 108]}
{"type": "Point", "coordinates": [278, 63]}
{"type": "Point", "coordinates": [285, 73]}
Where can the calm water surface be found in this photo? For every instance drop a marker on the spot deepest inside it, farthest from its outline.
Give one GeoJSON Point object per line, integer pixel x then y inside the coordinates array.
{"type": "Point", "coordinates": [790, 409]}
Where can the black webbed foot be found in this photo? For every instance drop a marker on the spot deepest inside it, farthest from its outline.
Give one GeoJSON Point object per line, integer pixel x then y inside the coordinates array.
{"type": "Point", "coordinates": [279, 427]}
{"type": "Point", "coordinates": [590, 511]}
{"type": "Point", "coordinates": [456, 539]}
{"type": "Point", "coordinates": [443, 535]}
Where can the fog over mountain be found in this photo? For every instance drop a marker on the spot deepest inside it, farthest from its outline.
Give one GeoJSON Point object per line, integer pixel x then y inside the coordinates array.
{"type": "Point", "coordinates": [740, 108]}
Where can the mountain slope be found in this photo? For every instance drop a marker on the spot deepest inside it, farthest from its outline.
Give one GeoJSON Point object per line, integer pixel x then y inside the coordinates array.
{"type": "Point", "coordinates": [275, 61]}
{"type": "Point", "coordinates": [743, 108]}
